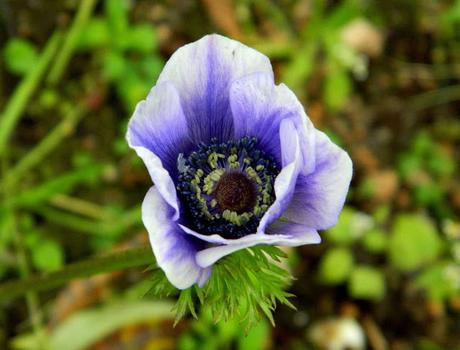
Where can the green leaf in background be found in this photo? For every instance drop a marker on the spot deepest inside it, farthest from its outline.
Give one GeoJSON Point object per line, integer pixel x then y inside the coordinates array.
{"type": "Point", "coordinates": [85, 328]}
{"type": "Point", "coordinates": [94, 35]}
{"type": "Point", "coordinates": [381, 214]}
{"type": "Point", "coordinates": [375, 241]}
{"type": "Point", "coordinates": [428, 344]}
{"type": "Point", "coordinates": [351, 226]}
{"type": "Point", "coordinates": [150, 67]}
{"type": "Point", "coordinates": [256, 339]}
{"type": "Point", "coordinates": [440, 281]}
{"type": "Point", "coordinates": [441, 163]}
{"type": "Point", "coordinates": [206, 334]}
{"type": "Point", "coordinates": [132, 89]}
{"type": "Point", "coordinates": [48, 98]}
{"type": "Point", "coordinates": [141, 38]}
{"type": "Point", "coordinates": [337, 87]}
{"type": "Point", "coordinates": [409, 164]}
{"type": "Point", "coordinates": [448, 21]}
{"type": "Point", "coordinates": [367, 282]}
{"type": "Point", "coordinates": [301, 67]}
{"type": "Point", "coordinates": [422, 144]}
{"type": "Point", "coordinates": [115, 66]}
{"type": "Point", "coordinates": [47, 255]}
{"type": "Point", "coordinates": [414, 242]}
{"type": "Point", "coordinates": [336, 265]}
{"type": "Point", "coordinates": [117, 16]}
{"type": "Point", "coordinates": [6, 217]}
{"type": "Point", "coordinates": [429, 193]}
{"type": "Point", "coordinates": [20, 56]}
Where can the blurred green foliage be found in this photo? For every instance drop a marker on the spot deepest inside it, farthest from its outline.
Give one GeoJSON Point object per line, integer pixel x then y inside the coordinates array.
{"type": "Point", "coordinates": [336, 265]}
{"type": "Point", "coordinates": [127, 53]}
{"type": "Point", "coordinates": [206, 334]}
{"type": "Point", "coordinates": [413, 243]}
{"type": "Point", "coordinates": [367, 282]}
{"type": "Point", "coordinates": [426, 168]}
{"type": "Point", "coordinates": [19, 55]}
{"type": "Point", "coordinates": [70, 188]}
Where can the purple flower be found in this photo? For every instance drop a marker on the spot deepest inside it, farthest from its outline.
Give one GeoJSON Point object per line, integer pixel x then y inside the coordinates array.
{"type": "Point", "coordinates": [234, 158]}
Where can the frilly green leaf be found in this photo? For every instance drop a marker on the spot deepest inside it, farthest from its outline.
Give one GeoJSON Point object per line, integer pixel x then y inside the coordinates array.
{"type": "Point", "coordinates": [245, 286]}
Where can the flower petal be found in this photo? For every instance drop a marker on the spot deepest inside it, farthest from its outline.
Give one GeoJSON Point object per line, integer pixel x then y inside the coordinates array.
{"type": "Point", "coordinates": [284, 185]}
{"type": "Point", "coordinates": [174, 250]}
{"type": "Point", "coordinates": [278, 231]}
{"type": "Point", "coordinates": [297, 234]}
{"type": "Point", "coordinates": [319, 197]}
{"type": "Point", "coordinates": [286, 180]}
{"type": "Point", "coordinates": [293, 235]}
{"type": "Point", "coordinates": [202, 72]}
{"type": "Point", "coordinates": [158, 124]}
{"type": "Point", "coordinates": [281, 234]}
{"type": "Point", "coordinates": [259, 106]}
{"type": "Point", "coordinates": [161, 178]}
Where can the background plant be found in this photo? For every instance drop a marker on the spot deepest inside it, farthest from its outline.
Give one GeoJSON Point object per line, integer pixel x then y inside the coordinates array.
{"type": "Point", "coordinates": [381, 77]}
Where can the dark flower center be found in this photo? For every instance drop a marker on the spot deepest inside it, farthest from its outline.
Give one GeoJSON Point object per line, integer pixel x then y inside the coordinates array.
{"type": "Point", "coordinates": [235, 192]}
{"type": "Point", "coordinates": [225, 188]}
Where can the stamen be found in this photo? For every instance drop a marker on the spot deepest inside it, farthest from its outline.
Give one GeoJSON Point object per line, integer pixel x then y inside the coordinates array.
{"type": "Point", "coordinates": [226, 188]}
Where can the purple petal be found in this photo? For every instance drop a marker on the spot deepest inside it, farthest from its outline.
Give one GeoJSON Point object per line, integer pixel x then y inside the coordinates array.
{"type": "Point", "coordinates": [174, 250]}
{"type": "Point", "coordinates": [280, 234]}
{"type": "Point", "coordinates": [297, 234]}
{"type": "Point", "coordinates": [287, 178]}
{"type": "Point", "coordinates": [202, 72]}
{"type": "Point", "coordinates": [158, 125]}
{"type": "Point", "coordinates": [160, 177]}
{"type": "Point", "coordinates": [319, 197]}
{"type": "Point", "coordinates": [284, 187]}
{"type": "Point", "coordinates": [259, 106]}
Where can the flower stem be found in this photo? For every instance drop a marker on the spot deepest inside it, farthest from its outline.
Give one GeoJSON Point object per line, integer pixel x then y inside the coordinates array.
{"type": "Point", "coordinates": [45, 147]}
{"type": "Point", "coordinates": [112, 262]}
{"type": "Point", "coordinates": [81, 18]}
{"type": "Point", "coordinates": [81, 207]}
{"type": "Point", "coordinates": [32, 300]}
{"type": "Point", "coordinates": [18, 101]}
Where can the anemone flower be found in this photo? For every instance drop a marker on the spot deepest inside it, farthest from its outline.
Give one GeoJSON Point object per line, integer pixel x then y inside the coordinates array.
{"type": "Point", "coordinates": [234, 159]}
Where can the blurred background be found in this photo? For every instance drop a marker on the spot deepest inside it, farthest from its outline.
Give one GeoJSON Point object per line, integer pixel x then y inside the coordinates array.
{"type": "Point", "coordinates": [382, 78]}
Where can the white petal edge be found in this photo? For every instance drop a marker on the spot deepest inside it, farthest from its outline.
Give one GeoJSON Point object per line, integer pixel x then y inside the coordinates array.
{"type": "Point", "coordinates": [160, 178]}
{"type": "Point", "coordinates": [181, 67]}
{"type": "Point", "coordinates": [174, 253]}
{"type": "Point", "coordinates": [209, 256]}
{"type": "Point", "coordinates": [319, 197]}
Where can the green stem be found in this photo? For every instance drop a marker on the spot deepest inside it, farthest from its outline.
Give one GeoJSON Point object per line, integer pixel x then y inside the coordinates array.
{"type": "Point", "coordinates": [18, 101]}
{"type": "Point", "coordinates": [110, 227]}
{"type": "Point", "coordinates": [36, 196]}
{"type": "Point", "coordinates": [32, 300]}
{"type": "Point", "coordinates": [45, 147]}
{"type": "Point", "coordinates": [434, 98]}
{"type": "Point", "coordinates": [81, 18]}
{"type": "Point", "coordinates": [81, 207]}
{"type": "Point", "coordinates": [113, 262]}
